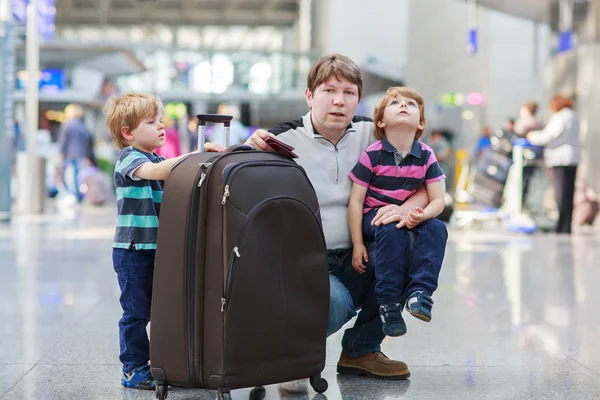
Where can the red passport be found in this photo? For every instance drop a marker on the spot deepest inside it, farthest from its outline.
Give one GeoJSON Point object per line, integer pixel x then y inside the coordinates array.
{"type": "Point", "coordinates": [281, 147]}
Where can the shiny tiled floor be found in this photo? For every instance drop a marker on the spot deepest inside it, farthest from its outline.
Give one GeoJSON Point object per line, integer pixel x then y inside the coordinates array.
{"type": "Point", "coordinates": [515, 318]}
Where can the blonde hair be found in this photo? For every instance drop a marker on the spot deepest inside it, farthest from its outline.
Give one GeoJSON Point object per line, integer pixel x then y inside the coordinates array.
{"type": "Point", "coordinates": [334, 65]}
{"type": "Point", "coordinates": [128, 111]}
{"type": "Point", "coordinates": [391, 93]}
{"type": "Point", "coordinates": [73, 111]}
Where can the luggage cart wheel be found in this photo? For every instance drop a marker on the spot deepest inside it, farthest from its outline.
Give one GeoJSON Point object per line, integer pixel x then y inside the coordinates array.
{"type": "Point", "coordinates": [319, 384]}
{"type": "Point", "coordinates": [223, 394]}
{"type": "Point", "coordinates": [161, 392]}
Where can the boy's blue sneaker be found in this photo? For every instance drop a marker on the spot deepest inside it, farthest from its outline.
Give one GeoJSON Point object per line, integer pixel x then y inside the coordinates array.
{"type": "Point", "coordinates": [139, 378]}
{"type": "Point", "coordinates": [391, 316]}
{"type": "Point", "coordinates": [419, 305]}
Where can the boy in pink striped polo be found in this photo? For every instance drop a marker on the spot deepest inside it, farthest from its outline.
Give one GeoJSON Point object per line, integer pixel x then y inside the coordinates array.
{"type": "Point", "coordinates": [389, 172]}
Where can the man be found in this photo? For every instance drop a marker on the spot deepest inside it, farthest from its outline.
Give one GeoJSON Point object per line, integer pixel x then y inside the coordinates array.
{"type": "Point", "coordinates": [329, 141]}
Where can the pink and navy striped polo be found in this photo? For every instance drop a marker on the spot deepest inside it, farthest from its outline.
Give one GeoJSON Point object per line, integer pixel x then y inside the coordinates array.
{"type": "Point", "coordinates": [391, 179]}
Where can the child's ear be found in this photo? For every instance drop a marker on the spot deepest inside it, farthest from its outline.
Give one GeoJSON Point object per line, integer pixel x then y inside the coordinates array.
{"type": "Point", "coordinates": [381, 124]}
{"type": "Point", "coordinates": [126, 133]}
{"type": "Point", "coordinates": [422, 125]}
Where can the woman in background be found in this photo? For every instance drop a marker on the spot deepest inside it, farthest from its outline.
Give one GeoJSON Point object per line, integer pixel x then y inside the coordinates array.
{"type": "Point", "coordinates": [560, 139]}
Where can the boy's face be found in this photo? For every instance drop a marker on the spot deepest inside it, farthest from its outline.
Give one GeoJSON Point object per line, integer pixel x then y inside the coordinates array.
{"type": "Point", "coordinates": [401, 112]}
{"type": "Point", "coordinates": [149, 135]}
{"type": "Point", "coordinates": [333, 105]}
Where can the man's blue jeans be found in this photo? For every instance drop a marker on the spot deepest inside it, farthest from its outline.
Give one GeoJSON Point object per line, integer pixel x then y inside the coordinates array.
{"type": "Point", "coordinates": [349, 292]}
{"type": "Point", "coordinates": [135, 271]}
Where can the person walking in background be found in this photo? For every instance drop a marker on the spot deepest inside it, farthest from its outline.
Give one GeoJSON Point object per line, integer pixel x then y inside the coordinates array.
{"type": "Point", "coordinates": [75, 148]}
{"type": "Point", "coordinates": [560, 139]}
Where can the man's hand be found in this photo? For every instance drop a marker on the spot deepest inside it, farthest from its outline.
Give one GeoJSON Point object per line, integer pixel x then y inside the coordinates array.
{"type": "Point", "coordinates": [358, 255]}
{"type": "Point", "coordinates": [257, 140]}
{"type": "Point", "coordinates": [213, 147]}
{"type": "Point", "coordinates": [415, 217]}
{"type": "Point", "coordinates": [388, 214]}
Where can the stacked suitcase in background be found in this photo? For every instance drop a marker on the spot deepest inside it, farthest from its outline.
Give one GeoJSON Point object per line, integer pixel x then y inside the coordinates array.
{"type": "Point", "coordinates": [493, 165]}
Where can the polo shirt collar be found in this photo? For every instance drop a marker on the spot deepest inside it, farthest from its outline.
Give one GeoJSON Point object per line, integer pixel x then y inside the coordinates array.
{"type": "Point", "coordinates": [311, 130]}
{"type": "Point", "coordinates": [415, 151]}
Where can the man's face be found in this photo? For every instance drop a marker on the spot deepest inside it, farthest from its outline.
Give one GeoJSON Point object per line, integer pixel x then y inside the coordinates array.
{"type": "Point", "coordinates": [333, 105]}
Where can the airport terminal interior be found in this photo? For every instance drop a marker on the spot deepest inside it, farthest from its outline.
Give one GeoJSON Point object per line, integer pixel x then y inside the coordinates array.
{"type": "Point", "coordinates": [510, 92]}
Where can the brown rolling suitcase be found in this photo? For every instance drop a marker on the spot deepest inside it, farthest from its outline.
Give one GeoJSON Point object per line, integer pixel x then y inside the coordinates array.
{"type": "Point", "coordinates": [241, 284]}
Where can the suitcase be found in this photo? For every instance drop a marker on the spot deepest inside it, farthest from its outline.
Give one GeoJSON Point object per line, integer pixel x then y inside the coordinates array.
{"type": "Point", "coordinates": [241, 283]}
{"type": "Point", "coordinates": [494, 165]}
{"type": "Point", "coordinates": [486, 190]}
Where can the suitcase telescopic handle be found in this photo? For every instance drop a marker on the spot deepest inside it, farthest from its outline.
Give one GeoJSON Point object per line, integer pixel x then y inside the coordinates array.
{"type": "Point", "coordinates": [214, 118]}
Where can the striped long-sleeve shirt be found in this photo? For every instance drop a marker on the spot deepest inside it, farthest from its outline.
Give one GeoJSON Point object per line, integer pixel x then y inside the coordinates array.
{"type": "Point", "coordinates": [138, 201]}
{"type": "Point", "coordinates": [392, 179]}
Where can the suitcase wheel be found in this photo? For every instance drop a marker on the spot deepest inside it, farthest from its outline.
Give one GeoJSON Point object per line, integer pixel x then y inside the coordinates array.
{"type": "Point", "coordinates": [223, 394]}
{"type": "Point", "coordinates": [319, 384]}
{"type": "Point", "coordinates": [161, 392]}
{"type": "Point", "coordinates": [258, 393]}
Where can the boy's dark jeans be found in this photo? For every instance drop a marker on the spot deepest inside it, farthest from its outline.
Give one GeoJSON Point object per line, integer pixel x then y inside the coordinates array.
{"type": "Point", "coordinates": [135, 270]}
{"type": "Point", "coordinates": [395, 270]}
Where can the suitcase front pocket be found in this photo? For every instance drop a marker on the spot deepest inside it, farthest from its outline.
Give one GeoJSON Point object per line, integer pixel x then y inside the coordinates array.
{"type": "Point", "coordinates": [271, 289]}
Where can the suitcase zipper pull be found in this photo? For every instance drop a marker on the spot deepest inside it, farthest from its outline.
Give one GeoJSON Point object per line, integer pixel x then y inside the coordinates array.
{"type": "Point", "coordinates": [203, 175]}
{"type": "Point", "coordinates": [223, 302]}
{"type": "Point", "coordinates": [225, 195]}
{"type": "Point", "coordinates": [201, 179]}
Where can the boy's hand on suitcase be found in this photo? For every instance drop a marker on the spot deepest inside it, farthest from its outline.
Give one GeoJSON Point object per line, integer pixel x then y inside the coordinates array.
{"type": "Point", "coordinates": [415, 217]}
{"type": "Point", "coordinates": [213, 147]}
{"type": "Point", "coordinates": [358, 255]}
{"type": "Point", "coordinates": [257, 140]}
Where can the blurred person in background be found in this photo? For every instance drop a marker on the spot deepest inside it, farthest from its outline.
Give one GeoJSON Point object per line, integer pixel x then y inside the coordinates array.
{"type": "Point", "coordinates": [441, 149]}
{"type": "Point", "coordinates": [560, 139]}
{"type": "Point", "coordinates": [527, 121]}
{"type": "Point", "coordinates": [525, 124]}
{"type": "Point", "coordinates": [171, 147]}
{"type": "Point", "coordinates": [484, 142]}
{"type": "Point", "coordinates": [509, 126]}
{"type": "Point", "coordinates": [75, 148]}
{"type": "Point", "coordinates": [238, 132]}
{"type": "Point", "coordinates": [192, 131]}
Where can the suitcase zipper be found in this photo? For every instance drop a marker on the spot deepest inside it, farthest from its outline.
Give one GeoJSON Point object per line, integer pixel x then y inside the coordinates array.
{"type": "Point", "coordinates": [230, 172]}
{"type": "Point", "coordinates": [198, 196]}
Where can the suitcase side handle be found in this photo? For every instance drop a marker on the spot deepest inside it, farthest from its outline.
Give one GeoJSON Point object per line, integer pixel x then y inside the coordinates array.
{"type": "Point", "coordinates": [239, 147]}
{"type": "Point", "coordinates": [214, 118]}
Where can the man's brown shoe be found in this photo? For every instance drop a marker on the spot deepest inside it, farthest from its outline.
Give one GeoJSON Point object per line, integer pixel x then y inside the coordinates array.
{"type": "Point", "coordinates": [375, 365]}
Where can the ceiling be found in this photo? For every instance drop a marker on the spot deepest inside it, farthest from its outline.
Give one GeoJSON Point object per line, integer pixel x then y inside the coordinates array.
{"type": "Point", "coordinates": [536, 10]}
{"type": "Point", "coordinates": [177, 12]}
